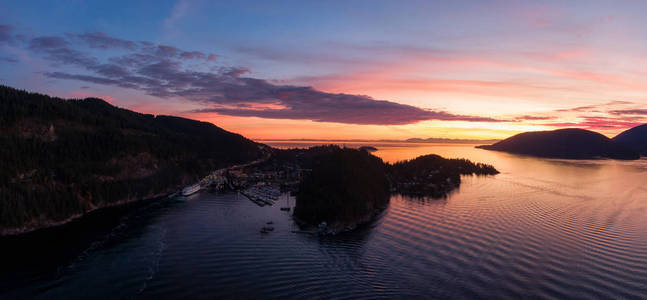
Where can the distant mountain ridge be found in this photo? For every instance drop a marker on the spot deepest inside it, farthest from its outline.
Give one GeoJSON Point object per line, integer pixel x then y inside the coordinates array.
{"type": "Point", "coordinates": [449, 141]}
{"type": "Point", "coordinates": [410, 140]}
{"type": "Point", "coordinates": [63, 158]}
{"type": "Point", "coordinates": [565, 143]}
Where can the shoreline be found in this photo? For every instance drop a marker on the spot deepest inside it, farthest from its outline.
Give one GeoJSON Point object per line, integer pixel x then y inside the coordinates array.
{"type": "Point", "coordinates": [46, 224]}
{"type": "Point", "coordinates": [40, 223]}
{"type": "Point", "coordinates": [339, 227]}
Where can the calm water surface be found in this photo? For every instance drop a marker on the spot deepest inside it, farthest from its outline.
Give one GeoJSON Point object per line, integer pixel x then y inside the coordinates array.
{"type": "Point", "coordinates": [540, 229]}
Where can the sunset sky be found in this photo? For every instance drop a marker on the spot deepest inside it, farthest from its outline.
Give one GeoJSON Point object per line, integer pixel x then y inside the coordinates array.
{"type": "Point", "coordinates": [341, 69]}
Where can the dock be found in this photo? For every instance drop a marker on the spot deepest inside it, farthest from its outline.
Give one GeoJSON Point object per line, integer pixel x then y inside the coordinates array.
{"type": "Point", "coordinates": [265, 194]}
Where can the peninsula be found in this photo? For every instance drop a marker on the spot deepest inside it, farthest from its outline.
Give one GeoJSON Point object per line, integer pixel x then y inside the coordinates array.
{"type": "Point", "coordinates": [64, 158]}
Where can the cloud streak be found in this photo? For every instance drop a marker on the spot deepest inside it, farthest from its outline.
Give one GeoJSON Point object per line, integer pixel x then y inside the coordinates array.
{"type": "Point", "coordinates": [311, 104]}
{"type": "Point", "coordinates": [629, 112]}
{"type": "Point", "coordinates": [8, 59]}
{"type": "Point", "coordinates": [534, 118]}
{"type": "Point", "coordinates": [609, 116]}
{"type": "Point", "coordinates": [599, 123]}
{"type": "Point", "coordinates": [101, 40]}
{"type": "Point", "coordinates": [169, 72]}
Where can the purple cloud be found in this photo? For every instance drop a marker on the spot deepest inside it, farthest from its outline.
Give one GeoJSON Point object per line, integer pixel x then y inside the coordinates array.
{"type": "Point", "coordinates": [57, 50]}
{"type": "Point", "coordinates": [534, 118]}
{"type": "Point", "coordinates": [596, 107]}
{"type": "Point", "coordinates": [212, 57]}
{"type": "Point", "coordinates": [47, 42]}
{"type": "Point", "coordinates": [165, 51]}
{"type": "Point", "coordinates": [8, 59]}
{"type": "Point", "coordinates": [599, 123]}
{"type": "Point", "coordinates": [311, 104]}
{"type": "Point", "coordinates": [90, 79]}
{"type": "Point", "coordinates": [160, 70]}
{"type": "Point", "coordinates": [192, 55]}
{"type": "Point", "coordinates": [5, 33]}
{"type": "Point", "coordinates": [171, 52]}
{"type": "Point", "coordinates": [579, 109]}
{"type": "Point", "coordinates": [629, 112]}
{"type": "Point", "coordinates": [101, 40]}
{"type": "Point", "coordinates": [109, 70]}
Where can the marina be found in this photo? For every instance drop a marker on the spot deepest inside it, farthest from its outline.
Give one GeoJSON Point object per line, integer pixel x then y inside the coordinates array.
{"type": "Point", "coordinates": [262, 194]}
{"type": "Point", "coordinates": [258, 182]}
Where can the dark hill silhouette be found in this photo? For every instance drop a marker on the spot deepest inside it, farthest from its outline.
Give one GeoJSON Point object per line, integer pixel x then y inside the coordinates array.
{"type": "Point", "coordinates": [62, 158]}
{"type": "Point", "coordinates": [634, 138]}
{"type": "Point", "coordinates": [564, 143]}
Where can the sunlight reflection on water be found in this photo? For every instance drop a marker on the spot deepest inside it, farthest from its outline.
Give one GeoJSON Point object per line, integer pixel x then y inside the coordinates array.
{"type": "Point", "coordinates": [543, 227]}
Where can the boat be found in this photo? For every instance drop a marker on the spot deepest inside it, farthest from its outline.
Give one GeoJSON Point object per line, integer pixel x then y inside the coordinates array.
{"type": "Point", "coordinates": [286, 208]}
{"type": "Point", "coordinates": [191, 189]}
{"type": "Point", "coordinates": [267, 229]}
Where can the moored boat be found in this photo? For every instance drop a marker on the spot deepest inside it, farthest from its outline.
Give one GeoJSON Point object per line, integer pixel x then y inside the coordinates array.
{"type": "Point", "coordinates": [191, 189]}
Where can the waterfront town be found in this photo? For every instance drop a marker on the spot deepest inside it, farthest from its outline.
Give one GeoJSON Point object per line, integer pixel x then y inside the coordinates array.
{"type": "Point", "coordinates": [261, 181]}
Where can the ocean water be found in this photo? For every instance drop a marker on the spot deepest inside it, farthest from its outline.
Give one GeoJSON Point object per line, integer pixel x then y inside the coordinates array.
{"type": "Point", "coordinates": [543, 228]}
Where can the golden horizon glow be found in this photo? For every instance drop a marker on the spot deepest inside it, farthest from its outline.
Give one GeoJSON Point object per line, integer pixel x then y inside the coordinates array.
{"type": "Point", "coordinates": [439, 69]}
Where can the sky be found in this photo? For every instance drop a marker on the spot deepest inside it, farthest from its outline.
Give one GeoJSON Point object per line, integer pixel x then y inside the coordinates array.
{"type": "Point", "coordinates": [341, 69]}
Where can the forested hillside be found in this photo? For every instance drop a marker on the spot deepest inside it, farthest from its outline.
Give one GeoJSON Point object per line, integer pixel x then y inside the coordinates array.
{"type": "Point", "coordinates": [61, 158]}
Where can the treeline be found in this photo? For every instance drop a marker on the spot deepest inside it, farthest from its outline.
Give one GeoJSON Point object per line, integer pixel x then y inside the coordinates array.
{"type": "Point", "coordinates": [344, 185]}
{"type": "Point", "coordinates": [433, 175]}
{"type": "Point", "coordinates": [63, 157]}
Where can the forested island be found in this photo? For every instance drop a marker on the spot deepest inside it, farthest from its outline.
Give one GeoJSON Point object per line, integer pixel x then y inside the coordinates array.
{"type": "Point", "coordinates": [432, 175]}
{"type": "Point", "coordinates": [63, 158]}
{"type": "Point", "coordinates": [347, 187]}
{"type": "Point", "coordinates": [369, 149]}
